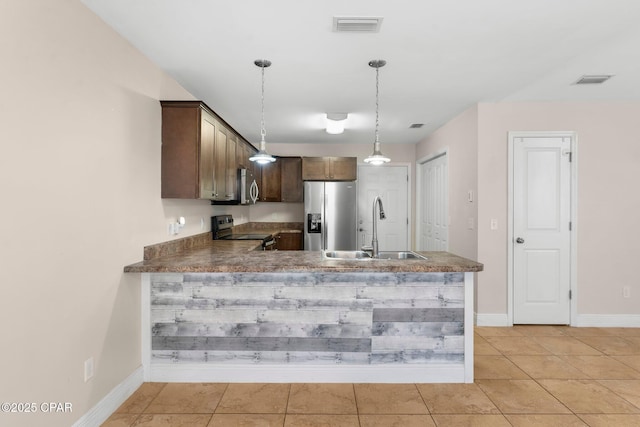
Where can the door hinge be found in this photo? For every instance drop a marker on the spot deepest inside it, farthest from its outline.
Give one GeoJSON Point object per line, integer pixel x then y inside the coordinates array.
{"type": "Point", "coordinates": [570, 294]}
{"type": "Point", "coordinates": [570, 226]}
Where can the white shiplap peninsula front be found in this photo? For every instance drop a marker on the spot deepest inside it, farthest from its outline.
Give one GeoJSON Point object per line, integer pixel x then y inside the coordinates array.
{"type": "Point", "coordinates": [293, 316]}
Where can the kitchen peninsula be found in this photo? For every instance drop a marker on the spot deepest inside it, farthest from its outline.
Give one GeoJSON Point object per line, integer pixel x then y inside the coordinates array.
{"type": "Point", "coordinates": [221, 311]}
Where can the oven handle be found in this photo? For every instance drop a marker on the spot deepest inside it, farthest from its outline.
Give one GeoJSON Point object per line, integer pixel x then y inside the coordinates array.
{"type": "Point", "coordinates": [268, 243]}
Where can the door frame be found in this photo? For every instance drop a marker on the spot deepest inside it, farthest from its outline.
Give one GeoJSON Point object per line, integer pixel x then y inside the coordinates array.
{"type": "Point", "coordinates": [409, 198]}
{"type": "Point", "coordinates": [419, 165]}
{"type": "Point", "coordinates": [573, 203]}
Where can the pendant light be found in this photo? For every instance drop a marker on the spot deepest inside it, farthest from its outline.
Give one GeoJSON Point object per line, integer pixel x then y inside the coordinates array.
{"type": "Point", "coordinates": [262, 157]}
{"type": "Point", "coordinates": [377, 158]}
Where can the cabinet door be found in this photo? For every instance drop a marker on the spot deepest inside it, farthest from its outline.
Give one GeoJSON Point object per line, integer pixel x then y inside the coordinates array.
{"type": "Point", "coordinates": [343, 168]}
{"type": "Point", "coordinates": [291, 182]}
{"type": "Point", "coordinates": [289, 241]}
{"type": "Point", "coordinates": [206, 167]}
{"type": "Point", "coordinates": [242, 154]}
{"type": "Point", "coordinates": [315, 169]}
{"type": "Point", "coordinates": [271, 181]}
{"type": "Point", "coordinates": [231, 167]}
{"type": "Point", "coordinates": [184, 161]}
{"type": "Point", "coordinates": [220, 163]}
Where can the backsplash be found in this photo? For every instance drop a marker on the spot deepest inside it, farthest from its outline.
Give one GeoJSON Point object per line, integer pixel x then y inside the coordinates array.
{"type": "Point", "coordinates": [176, 246]}
{"type": "Point", "coordinates": [203, 239]}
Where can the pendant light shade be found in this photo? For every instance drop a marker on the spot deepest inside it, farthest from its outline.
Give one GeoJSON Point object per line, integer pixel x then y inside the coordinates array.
{"type": "Point", "coordinates": [262, 157]}
{"type": "Point", "coordinates": [377, 158]}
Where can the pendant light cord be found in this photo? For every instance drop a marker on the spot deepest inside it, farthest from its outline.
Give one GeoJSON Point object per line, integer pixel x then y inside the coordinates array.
{"type": "Point", "coordinates": [263, 131]}
{"type": "Point", "coordinates": [377, 102]}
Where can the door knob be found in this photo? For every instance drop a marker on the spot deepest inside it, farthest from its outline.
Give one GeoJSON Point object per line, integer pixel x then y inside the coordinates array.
{"type": "Point", "coordinates": [519, 240]}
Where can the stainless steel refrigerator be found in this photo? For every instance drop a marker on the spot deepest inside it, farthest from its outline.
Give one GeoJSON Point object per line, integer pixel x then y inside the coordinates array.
{"type": "Point", "coordinates": [330, 217]}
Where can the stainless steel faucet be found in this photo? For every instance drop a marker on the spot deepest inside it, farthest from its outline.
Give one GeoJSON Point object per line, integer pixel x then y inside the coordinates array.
{"type": "Point", "coordinates": [374, 240]}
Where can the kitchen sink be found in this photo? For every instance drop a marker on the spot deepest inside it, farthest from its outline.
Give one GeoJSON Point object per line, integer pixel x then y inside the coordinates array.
{"type": "Point", "coordinates": [347, 255]}
{"type": "Point", "coordinates": [363, 255]}
{"type": "Point", "coordinates": [399, 255]}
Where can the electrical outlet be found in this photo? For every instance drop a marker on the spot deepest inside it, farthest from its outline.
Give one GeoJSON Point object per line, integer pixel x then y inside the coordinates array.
{"type": "Point", "coordinates": [88, 369]}
{"type": "Point", "coordinates": [201, 224]}
{"type": "Point", "coordinates": [173, 228]}
{"type": "Point", "coordinates": [626, 292]}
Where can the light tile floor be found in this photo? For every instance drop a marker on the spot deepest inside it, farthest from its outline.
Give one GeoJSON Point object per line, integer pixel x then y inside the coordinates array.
{"type": "Point", "coordinates": [525, 376]}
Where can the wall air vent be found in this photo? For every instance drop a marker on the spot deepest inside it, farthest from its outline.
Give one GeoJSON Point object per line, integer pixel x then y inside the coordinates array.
{"type": "Point", "coordinates": [357, 24]}
{"type": "Point", "coordinates": [416, 125]}
{"type": "Point", "coordinates": [593, 79]}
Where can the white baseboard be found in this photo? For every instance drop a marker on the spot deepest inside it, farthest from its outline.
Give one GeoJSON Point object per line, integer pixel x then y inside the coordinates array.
{"type": "Point", "coordinates": [410, 373]}
{"type": "Point", "coordinates": [497, 319]}
{"type": "Point", "coordinates": [112, 401]}
{"type": "Point", "coordinates": [608, 320]}
{"type": "Point", "coordinates": [582, 320]}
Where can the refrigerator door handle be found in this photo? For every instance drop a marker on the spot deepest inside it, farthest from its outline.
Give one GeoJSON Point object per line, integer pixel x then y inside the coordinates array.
{"type": "Point", "coordinates": [324, 237]}
{"type": "Point", "coordinates": [325, 223]}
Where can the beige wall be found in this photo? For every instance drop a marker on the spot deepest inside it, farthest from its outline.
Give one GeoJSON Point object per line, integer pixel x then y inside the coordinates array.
{"type": "Point", "coordinates": [80, 181]}
{"type": "Point", "coordinates": [460, 138]}
{"type": "Point", "coordinates": [608, 155]}
{"type": "Point", "coordinates": [608, 203]}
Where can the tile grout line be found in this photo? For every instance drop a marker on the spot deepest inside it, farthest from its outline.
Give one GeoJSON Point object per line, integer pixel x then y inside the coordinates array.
{"type": "Point", "coordinates": [530, 378]}
{"type": "Point", "coordinates": [286, 406]}
{"type": "Point", "coordinates": [355, 399]}
{"type": "Point", "coordinates": [152, 400]}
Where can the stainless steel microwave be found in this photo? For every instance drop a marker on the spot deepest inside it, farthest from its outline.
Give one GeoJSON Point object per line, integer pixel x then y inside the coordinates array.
{"type": "Point", "coordinates": [247, 187]}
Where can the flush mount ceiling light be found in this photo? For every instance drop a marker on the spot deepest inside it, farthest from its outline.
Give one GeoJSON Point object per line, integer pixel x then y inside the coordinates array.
{"type": "Point", "coordinates": [262, 157]}
{"type": "Point", "coordinates": [593, 79]}
{"type": "Point", "coordinates": [377, 158]}
{"type": "Point", "coordinates": [335, 122]}
{"type": "Point", "coordinates": [357, 24]}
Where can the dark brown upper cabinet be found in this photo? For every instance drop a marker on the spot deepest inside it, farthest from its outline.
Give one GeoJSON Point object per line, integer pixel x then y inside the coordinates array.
{"type": "Point", "coordinates": [291, 179]}
{"type": "Point", "coordinates": [200, 153]}
{"type": "Point", "coordinates": [281, 181]}
{"type": "Point", "coordinates": [329, 168]}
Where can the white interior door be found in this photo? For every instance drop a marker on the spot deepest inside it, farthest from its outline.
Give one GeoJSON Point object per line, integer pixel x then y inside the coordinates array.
{"type": "Point", "coordinates": [391, 184]}
{"type": "Point", "coordinates": [433, 214]}
{"type": "Point", "coordinates": [541, 230]}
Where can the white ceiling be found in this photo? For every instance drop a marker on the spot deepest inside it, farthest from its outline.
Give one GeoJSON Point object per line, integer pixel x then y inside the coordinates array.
{"type": "Point", "coordinates": [442, 57]}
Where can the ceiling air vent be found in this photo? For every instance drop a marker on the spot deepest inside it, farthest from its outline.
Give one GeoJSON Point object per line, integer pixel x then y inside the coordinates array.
{"type": "Point", "coordinates": [593, 80]}
{"type": "Point", "coordinates": [355, 24]}
{"type": "Point", "coordinates": [416, 125]}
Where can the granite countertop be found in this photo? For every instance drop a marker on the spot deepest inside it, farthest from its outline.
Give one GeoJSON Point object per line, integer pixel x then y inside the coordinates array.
{"type": "Point", "coordinates": [201, 254]}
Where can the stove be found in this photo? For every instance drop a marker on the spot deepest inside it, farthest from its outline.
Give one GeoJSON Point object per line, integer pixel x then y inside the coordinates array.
{"type": "Point", "coordinates": [222, 229]}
